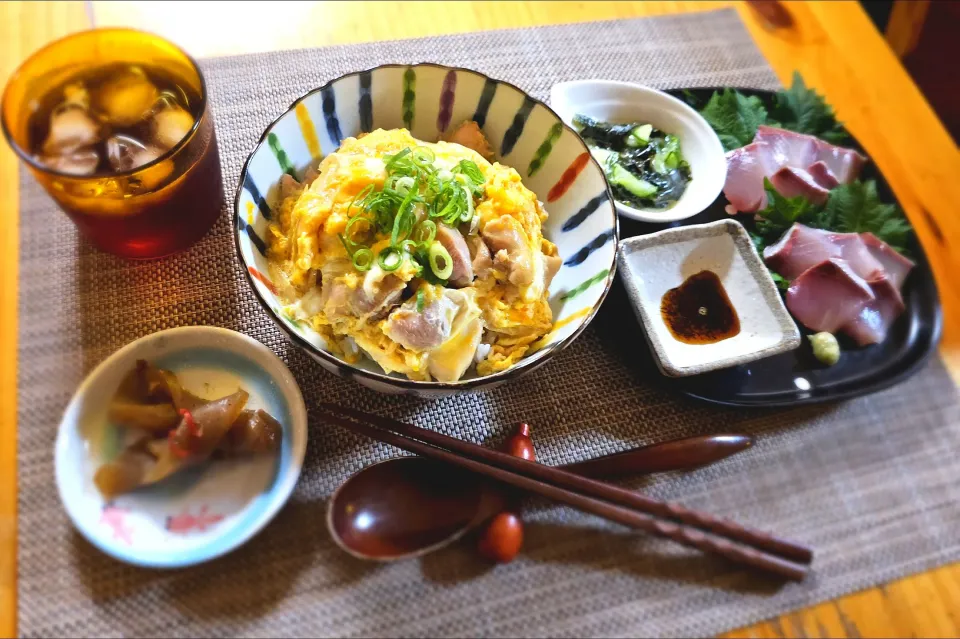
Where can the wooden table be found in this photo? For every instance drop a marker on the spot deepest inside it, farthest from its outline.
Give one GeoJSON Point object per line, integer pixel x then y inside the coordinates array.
{"type": "Point", "coordinates": [834, 46]}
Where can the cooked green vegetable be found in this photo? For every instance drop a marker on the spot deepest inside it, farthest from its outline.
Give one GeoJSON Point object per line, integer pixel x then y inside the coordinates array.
{"type": "Point", "coordinates": [627, 180]}
{"type": "Point", "coordinates": [735, 117]}
{"type": "Point", "coordinates": [645, 167]}
{"type": "Point", "coordinates": [825, 348]}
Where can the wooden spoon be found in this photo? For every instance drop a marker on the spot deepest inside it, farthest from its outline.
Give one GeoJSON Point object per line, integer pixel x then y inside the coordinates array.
{"type": "Point", "coordinates": [409, 506]}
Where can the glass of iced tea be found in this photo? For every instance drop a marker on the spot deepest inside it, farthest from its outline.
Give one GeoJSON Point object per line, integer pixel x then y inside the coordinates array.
{"type": "Point", "coordinates": [114, 123]}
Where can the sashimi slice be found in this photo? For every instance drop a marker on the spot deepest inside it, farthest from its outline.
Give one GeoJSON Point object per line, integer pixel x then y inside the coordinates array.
{"type": "Point", "coordinates": [746, 168]}
{"type": "Point", "coordinates": [896, 266]}
{"type": "Point", "coordinates": [800, 248]}
{"type": "Point", "coordinates": [788, 148]}
{"type": "Point", "coordinates": [792, 182]}
{"type": "Point", "coordinates": [874, 320]}
{"type": "Point", "coordinates": [828, 296]}
{"type": "Point", "coordinates": [845, 164]}
{"type": "Point", "coordinates": [854, 250]}
{"type": "Point", "coordinates": [823, 175]}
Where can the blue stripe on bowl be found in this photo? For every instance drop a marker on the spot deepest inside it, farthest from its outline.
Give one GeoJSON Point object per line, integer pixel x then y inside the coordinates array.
{"type": "Point", "coordinates": [516, 127]}
{"type": "Point", "coordinates": [330, 115]}
{"type": "Point", "coordinates": [254, 192]}
{"type": "Point", "coordinates": [588, 209]}
{"type": "Point", "coordinates": [580, 256]}
{"type": "Point", "coordinates": [486, 98]}
{"type": "Point", "coordinates": [252, 234]}
{"type": "Point", "coordinates": [366, 102]}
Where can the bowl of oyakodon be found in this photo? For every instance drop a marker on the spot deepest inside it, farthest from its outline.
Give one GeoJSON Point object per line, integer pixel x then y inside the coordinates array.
{"type": "Point", "coordinates": [425, 229]}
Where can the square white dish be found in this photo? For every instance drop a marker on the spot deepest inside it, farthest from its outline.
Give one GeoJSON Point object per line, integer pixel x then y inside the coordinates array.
{"type": "Point", "coordinates": [650, 265]}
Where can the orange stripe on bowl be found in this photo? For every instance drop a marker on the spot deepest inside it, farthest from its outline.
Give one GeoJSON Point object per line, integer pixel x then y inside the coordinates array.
{"type": "Point", "coordinates": [568, 177]}
{"type": "Point", "coordinates": [263, 278]}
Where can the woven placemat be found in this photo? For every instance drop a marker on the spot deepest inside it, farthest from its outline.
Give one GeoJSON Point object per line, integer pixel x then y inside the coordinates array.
{"type": "Point", "coordinates": [867, 483]}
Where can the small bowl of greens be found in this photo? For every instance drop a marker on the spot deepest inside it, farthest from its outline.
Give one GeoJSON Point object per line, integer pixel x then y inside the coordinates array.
{"type": "Point", "coordinates": [663, 162]}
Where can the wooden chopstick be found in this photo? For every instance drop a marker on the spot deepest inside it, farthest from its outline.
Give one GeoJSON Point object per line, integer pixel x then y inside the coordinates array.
{"type": "Point", "coordinates": [680, 533]}
{"type": "Point", "coordinates": [594, 488]}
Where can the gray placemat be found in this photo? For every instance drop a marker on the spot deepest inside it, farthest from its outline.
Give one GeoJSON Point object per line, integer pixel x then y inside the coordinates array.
{"type": "Point", "coordinates": [867, 483]}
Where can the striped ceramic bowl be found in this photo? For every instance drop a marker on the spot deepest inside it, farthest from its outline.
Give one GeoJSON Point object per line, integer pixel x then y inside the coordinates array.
{"type": "Point", "coordinates": [428, 99]}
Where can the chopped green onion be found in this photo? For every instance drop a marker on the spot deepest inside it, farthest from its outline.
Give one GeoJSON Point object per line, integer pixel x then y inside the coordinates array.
{"type": "Point", "coordinates": [359, 217]}
{"type": "Point", "coordinates": [424, 232]}
{"type": "Point", "coordinates": [467, 214]}
{"type": "Point", "coordinates": [404, 184]}
{"type": "Point", "coordinates": [405, 218]}
{"type": "Point", "coordinates": [395, 159]}
{"type": "Point", "coordinates": [439, 255]}
{"type": "Point", "coordinates": [409, 246]}
{"type": "Point", "coordinates": [421, 301]}
{"type": "Point", "coordinates": [424, 158]}
{"type": "Point", "coordinates": [470, 169]}
{"type": "Point", "coordinates": [390, 259]}
{"type": "Point", "coordinates": [363, 259]}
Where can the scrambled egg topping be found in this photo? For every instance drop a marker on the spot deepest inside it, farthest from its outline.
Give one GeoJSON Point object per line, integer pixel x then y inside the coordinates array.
{"type": "Point", "coordinates": [398, 315]}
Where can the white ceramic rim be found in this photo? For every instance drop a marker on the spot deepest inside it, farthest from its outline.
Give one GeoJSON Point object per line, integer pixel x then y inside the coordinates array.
{"type": "Point", "coordinates": [652, 215]}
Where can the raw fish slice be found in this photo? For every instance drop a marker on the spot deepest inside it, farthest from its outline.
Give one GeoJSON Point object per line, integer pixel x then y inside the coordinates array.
{"type": "Point", "coordinates": [875, 319]}
{"type": "Point", "coordinates": [746, 168]}
{"type": "Point", "coordinates": [823, 175]}
{"type": "Point", "coordinates": [828, 296]}
{"type": "Point", "coordinates": [844, 164]}
{"type": "Point", "coordinates": [792, 182]}
{"type": "Point", "coordinates": [897, 267]}
{"type": "Point", "coordinates": [800, 248]}
{"type": "Point", "coordinates": [788, 148]}
{"type": "Point", "coordinates": [854, 250]}
{"type": "Point", "coordinates": [802, 151]}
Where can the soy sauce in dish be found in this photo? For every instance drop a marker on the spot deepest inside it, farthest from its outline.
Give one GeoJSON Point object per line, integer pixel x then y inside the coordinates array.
{"type": "Point", "coordinates": [699, 311]}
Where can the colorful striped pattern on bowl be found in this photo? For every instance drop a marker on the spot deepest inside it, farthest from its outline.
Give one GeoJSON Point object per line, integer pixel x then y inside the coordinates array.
{"type": "Point", "coordinates": [428, 100]}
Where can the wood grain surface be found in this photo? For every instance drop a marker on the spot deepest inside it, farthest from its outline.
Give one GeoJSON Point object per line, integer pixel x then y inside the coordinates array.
{"type": "Point", "coordinates": [833, 44]}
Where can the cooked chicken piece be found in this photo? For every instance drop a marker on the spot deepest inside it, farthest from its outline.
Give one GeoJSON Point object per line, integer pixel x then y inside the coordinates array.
{"type": "Point", "coordinates": [456, 246]}
{"type": "Point", "coordinates": [288, 186]}
{"type": "Point", "coordinates": [481, 261]}
{"type": "Point", "coordinates": [511, 250]}
{"type": "Point", "coordinates": [468, 134]}
{"type": "Point", "coordinates": [421, 330]}
{"type": "Point", "coordinates": [377, 293]}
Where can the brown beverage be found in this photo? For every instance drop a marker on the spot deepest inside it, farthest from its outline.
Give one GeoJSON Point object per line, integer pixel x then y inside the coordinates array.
{"type": "Point", "coordinates": [126, 146]}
